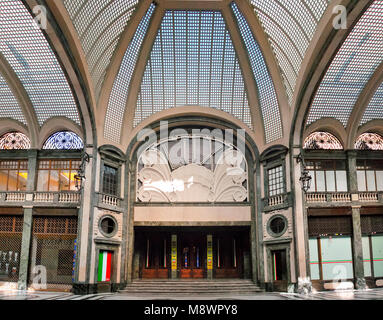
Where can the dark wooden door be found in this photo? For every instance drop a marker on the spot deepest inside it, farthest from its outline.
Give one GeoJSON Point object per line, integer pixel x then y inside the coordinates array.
{"type": "Point", "coordinates": [192, 257]}
{"type": "Point", "coordinates": [156, 260]}
{"type": "Point", "coordinates": [228, 253]}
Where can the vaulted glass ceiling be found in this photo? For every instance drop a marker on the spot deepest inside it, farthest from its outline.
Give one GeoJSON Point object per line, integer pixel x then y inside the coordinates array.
{"type": "Point", "coordinates": [193, 62]}
{"type": "Point", "coordinates": [120, 90]}
{"type": "Point", "coordinates": [266, 91]}
{"type": "Point", "coordinates": [351, 69]}
{"type": "Point", "coordinates": [374, 109]}
{"type": "Point", "coordinates": [290, 26]}
{"type": "Point", "coordinates": [99, 24]}
{"type": "Point", "coordinates": [9, 107]}
{"type": "Point", "coordinates": [24, 46]}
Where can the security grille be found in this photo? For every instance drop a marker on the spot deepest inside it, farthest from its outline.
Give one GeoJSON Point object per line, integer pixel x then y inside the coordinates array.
{"type": "Point", "coordinates": [371, 224]}
{"type": "Point", "coordinates": [11, 228]}
{"type": "Point", "coordinates": [341, 225]}
{"type": "Point", "coordinates": [53, 240]}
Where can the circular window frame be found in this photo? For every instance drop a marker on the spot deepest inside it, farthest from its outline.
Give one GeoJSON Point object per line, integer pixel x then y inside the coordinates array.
{"type": "Point", "coordinates": [108, 235]}
{"type": "Point", "coordinates": [273, 234]}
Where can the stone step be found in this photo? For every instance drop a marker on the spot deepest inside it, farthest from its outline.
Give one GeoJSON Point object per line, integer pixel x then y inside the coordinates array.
{"type": "Point", "coordinates": [189, 287]}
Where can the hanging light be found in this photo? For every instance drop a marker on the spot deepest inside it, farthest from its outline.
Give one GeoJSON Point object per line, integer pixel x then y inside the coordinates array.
{"type": "Point", "coordinates": [305, 178]}
{"type": "Point", "coordinates": [80, 175]}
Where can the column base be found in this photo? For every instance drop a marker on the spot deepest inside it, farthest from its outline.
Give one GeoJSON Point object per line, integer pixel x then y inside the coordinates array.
{"type": "Point", "coordinates": [304, 285]}
{"type": "Point", "coordinates": [360, 284]}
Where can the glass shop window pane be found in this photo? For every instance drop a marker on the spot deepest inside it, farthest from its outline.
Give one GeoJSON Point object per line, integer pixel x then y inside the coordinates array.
{"type": "Point", "coordinates": [23, 177]}
{"type": "Point", "coordinates": [361, 176]}
{"type": "Point", "coordinates": [371, 186]}
{"type": "Point", "coordinates": [64, 180]}
{"type": "Point", "coordinates": [330, 181]}
{"type": "Point", "coordinates": [54, 181]}
{"type": "Point", "coordinates": [12, 180]}
{"type": "Point", "coordinates": [341, 181]}
{"type": "Point", "coordinates": [379, 180]}
{"type": "Point", "coordinates": [377, 254]}
{"type": "Point", "coordinates": [336, 258]}
{"type": "Point", "coordinates": [314, 260]}
{"type": "Point", "coordinates": [312, 186]}
{"type": "Point", "coordinates": [320, 181]}
{"type": "Point", "coordinates": [366, 256]}
{"type": "Point", "coordinates": [3, 180]}
{"type": "Point", "coordinates": [42, 180]}
{"type": "Point", "coordinates": [72, 184]}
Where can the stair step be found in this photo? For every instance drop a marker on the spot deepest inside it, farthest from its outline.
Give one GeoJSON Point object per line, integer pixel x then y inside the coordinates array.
{"type": "Point", "coordinates": [191, 287]}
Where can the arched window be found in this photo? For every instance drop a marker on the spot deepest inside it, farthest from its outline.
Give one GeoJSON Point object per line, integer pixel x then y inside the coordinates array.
{"type": "Point", "coordinates": [322, 140]}
{"type": "Point", "coordinates": [369, 141]}
{"type": "Point", "coordinates": [14, 140]}
{"type": "Point", "coordinates": [64, 140]}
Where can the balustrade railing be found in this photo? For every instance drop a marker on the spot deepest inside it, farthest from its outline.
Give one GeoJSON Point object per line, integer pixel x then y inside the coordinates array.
{"type": "Point", "coordinates": [322, 197]}
{"type": "Point", "coordinates": [41, 197]}
{"type": "Point", "coordinates": [110, 200]}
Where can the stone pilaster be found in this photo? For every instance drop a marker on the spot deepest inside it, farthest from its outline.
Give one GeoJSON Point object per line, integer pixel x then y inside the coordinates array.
{"type": "Point", "coordinates": [360, 282]}
{"type": "Point", "coordinates": [25, 249]}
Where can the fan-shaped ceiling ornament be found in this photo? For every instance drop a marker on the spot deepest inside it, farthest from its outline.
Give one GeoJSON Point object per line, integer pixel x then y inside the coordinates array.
{"type": "Point", "coordinates": [369, 141]}
{"type": "Point", "coordinates": [322, 140]}
{"type": "Point", "coordinates": [14, 140]}
{"type": "Point", "coordinates": [64, 140]}
{"type": "Point", "coordinates": [192, 170]}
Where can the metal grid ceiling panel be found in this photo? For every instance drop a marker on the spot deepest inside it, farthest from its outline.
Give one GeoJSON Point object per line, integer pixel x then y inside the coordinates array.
{"type": "Point", "coordinates": [266, 91]}
{"type": "Point", "coordinates": [193, 62]}
{"type": "Point", "coordinates": [120, 90]}
{"type": "Point", "coordinates": [99, 24]}
{"type": "Point", "coordinates": [27, 51]}
{"type": "Point", "coordinates": [351, 69]}
{"type": "Point", "coordinates": [9, 107]}
{"type": "Point", "coordinates": [374, 109]}
{"type": "Point", "coordinates": [290, 26]}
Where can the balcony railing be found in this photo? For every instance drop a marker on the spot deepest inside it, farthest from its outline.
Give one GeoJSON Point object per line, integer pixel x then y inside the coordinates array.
{"type": "Point", "coordinates": [276, 202]}
{"type": "Point", "coordinates": [343, 197]}
{"type": "Point", "coordinates": [61, 197]}
{"type": "Point", "coordinates": [109, 201]}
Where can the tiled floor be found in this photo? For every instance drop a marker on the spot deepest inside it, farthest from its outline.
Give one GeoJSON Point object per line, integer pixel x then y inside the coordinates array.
{"type": "Point", "coordinates": [370, 294]}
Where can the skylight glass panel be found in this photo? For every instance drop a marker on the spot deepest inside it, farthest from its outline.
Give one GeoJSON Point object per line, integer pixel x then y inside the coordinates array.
{"type": "Point", "coordinates": [374, 109]}
{"type": "Point", "coordinates": [9, 107]}
{"type": "Point", "coordinates": [351, 69]}
{"type": "Point", "coordinates": [266, 91]}
{"type": "Point", "coordinates": [290, 26]}
{"type": "Point", "coordinates": [193, 62]}
{"type": "Point", "coordinates": [99, 24]}
{"type": "Point", "coordinates": [120, 90]}
{"type": "Point", "coordinates": [27, 51]}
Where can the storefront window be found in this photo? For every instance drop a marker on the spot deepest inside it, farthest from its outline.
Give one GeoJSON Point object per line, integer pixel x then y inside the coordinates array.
{"type": "Point", "coordinates": [370, 175]}
{"type": "Point", "coordinates": [377, 254]}
{"type": "Point", "coordinates": [13, 175]}
{"type": "Point", "coordinates": [57, 175]}
{"type": "Point", "coordinates": [109, 184]}
{"type": "Point", "coordinates": [327, 175]}
{"type": "Point", "coordinates": [314, 259]}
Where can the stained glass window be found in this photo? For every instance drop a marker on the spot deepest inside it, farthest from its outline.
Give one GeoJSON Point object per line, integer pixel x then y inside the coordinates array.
{"type": "Point", "coordinates": [369, 141]}
{"type": "Point", "coordinates": [64, 140]}
{"type": "Point", "coordinates": [14, 140]}
{"type": "Point", "coordinates": [322, 140]}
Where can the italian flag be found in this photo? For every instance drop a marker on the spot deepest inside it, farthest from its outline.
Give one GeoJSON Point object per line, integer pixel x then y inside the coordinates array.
{"type": "Point", "coordinates": [104, 266]}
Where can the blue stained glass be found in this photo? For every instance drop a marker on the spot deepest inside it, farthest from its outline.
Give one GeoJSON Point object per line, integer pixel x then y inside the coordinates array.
{"type": "Point", "coordinates": [266, 91]}
{"type": "Point", "coordinates": [64, 140]}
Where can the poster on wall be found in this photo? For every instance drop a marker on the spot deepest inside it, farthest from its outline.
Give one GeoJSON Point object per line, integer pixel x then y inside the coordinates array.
{"type": "Point", "coordinates": [210, 252]}
{"type": "Point", "coordinates": [174, 252]}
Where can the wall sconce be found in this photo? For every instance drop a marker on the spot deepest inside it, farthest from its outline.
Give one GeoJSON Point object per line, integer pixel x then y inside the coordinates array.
{"type": "Point", "coordinates": [80, 175]}
{"type": "Point", "coordinates": [305, 178]}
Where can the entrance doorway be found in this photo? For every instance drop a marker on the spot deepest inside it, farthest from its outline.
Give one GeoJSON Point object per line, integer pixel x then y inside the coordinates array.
{"type": "Point", "coordinates": [158, 257]}
{"type": "Point", "coordinates": [192, 254]}
{"type": "Point", "coordinates": [279, 270]}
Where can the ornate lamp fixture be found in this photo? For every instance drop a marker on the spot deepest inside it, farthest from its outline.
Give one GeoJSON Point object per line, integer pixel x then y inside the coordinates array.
{"type": "Point", "coordinates": [80, 175]}
{"type": "Point", "coordinates": [305, 178]}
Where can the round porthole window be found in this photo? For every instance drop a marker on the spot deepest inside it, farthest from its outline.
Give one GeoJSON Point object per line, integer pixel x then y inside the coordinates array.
{"type": "Point", "coordinates": [108, 226]}
{"type": "Point", "coordinates": [277, 226]}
